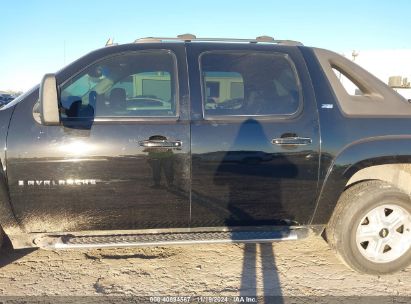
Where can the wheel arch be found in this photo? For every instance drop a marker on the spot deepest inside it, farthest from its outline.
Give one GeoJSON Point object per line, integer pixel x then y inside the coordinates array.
{"type": "Point", "coordinates": [380, 158]}
{"type": "Point", "coordinates": [399, 175]}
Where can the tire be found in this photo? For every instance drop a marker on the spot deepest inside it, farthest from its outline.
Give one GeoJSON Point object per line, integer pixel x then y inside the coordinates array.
{"type": "Point", "coordinates": [370, 229]}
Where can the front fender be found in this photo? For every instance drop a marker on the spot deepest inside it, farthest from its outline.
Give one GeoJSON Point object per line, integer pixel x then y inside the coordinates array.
{"type": "Point", "coordinates": [8, 221]}
{"type": "Point", "coordinates": [354, 157]}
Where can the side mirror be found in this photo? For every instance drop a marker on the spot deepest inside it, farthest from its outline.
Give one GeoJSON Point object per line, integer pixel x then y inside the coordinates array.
{"type": "Point", "coordinates": [49, 109]}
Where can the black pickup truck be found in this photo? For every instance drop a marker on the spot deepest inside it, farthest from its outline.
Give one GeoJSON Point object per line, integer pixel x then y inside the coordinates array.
{"type": "Point", "coordinates": [187, 140]}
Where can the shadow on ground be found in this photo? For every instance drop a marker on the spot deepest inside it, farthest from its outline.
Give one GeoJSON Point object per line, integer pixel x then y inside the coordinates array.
{"type": "Point", "coordinates": [271, 282]}
{"type": "Point", "coordinates": [8, 255]}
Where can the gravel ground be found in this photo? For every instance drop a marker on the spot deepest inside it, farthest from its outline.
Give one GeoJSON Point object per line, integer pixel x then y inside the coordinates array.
{"type": "Point", "coordinates": [303, 268]}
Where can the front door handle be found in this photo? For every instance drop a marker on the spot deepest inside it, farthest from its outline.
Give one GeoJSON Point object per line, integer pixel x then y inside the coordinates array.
{"type": "Point", "coordinates": [292, 141]}
{"type": "Point", "coordinates": [160, 143]}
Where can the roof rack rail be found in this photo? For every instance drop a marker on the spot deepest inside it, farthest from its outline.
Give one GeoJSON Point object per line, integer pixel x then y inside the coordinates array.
{"type": "Point", "coordinates": [191, 37]}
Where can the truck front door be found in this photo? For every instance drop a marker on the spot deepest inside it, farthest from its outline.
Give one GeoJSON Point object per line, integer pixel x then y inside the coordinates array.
{"type": "Point", "coordinates": [119, 159]}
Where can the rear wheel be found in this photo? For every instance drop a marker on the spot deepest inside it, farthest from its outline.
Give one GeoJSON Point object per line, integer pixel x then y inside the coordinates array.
{"type": "Point", "coordinates": [371, 228]}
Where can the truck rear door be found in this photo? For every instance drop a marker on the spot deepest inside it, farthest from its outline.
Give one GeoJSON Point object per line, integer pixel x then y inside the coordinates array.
{"type": "Point", "coordinates": [255, 136]}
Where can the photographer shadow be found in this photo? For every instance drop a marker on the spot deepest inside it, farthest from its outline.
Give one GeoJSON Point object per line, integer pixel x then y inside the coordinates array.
{"type": "Point", "coordinates": [255, 200]}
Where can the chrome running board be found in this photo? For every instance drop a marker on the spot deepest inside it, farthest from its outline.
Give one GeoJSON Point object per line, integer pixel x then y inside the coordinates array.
{"type": "Point", "coordinates": [72, 241]}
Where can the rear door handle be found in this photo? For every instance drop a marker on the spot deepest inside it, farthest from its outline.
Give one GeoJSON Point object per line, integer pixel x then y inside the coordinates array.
{"type": "Point", "coordinates": [156, 143]}
{"type": "Point", "coordinates": [292, 141]}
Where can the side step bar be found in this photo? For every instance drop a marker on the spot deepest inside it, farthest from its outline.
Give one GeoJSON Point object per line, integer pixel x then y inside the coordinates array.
{"type": "Point", "coordinates": [168, 238]}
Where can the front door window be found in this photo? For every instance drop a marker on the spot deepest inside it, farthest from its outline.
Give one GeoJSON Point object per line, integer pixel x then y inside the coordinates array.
{"type": "Point", "coordinates": [141, 84]}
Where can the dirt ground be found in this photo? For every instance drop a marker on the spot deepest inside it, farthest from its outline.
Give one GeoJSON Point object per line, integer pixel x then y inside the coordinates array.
{"type": "Point", "coordinates": [303, 268]}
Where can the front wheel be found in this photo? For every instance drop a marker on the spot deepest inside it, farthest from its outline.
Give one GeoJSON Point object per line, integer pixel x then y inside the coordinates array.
{"type": "Point", "coordinates": [371, 228]}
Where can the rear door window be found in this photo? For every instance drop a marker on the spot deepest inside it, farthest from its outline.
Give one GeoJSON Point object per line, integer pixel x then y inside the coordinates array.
{"type": "Point", "coordinates": [249, 84]}
{"type": "Point", "coordinates": [222, 88]}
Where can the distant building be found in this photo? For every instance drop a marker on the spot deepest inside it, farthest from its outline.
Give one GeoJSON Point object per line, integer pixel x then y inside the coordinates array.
{"type": "Point", "coordinates": [386, 65]}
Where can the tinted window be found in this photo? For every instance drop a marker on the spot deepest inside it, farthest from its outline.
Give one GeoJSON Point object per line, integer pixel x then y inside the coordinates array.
{"type": "Point", "coordinates": [221, 88]}
{"type": "Point", "coordinates": [249, 84]}
{"type": "Point", "coordinates": [135, 84]}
